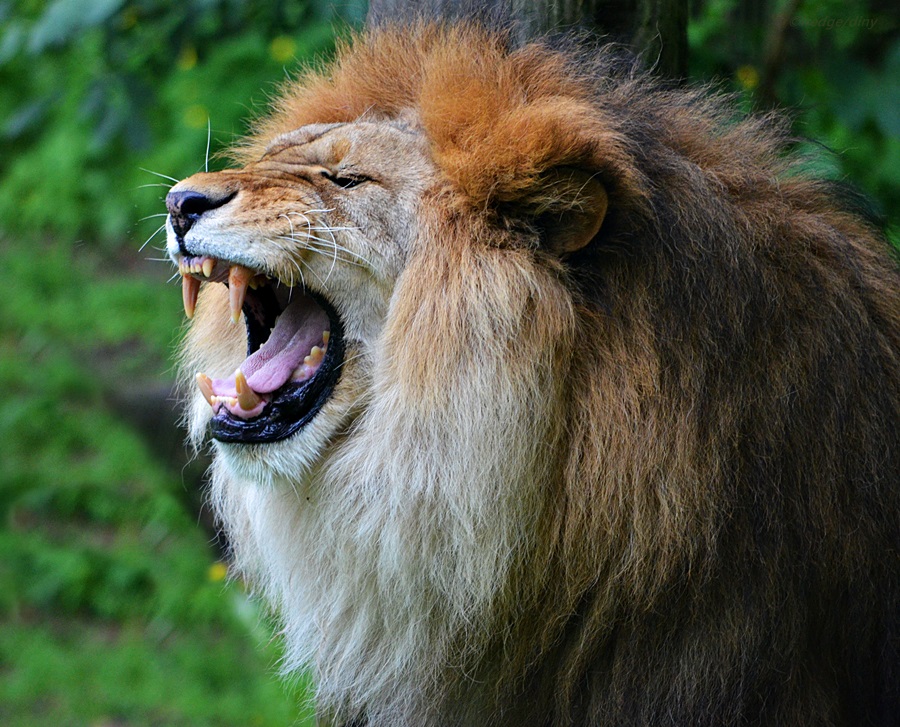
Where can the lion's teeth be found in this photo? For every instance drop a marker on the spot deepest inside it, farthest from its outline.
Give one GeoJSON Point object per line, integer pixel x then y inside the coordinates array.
{"type": "Point", "coordinates": [205, 384]}
{"type": "Point", "coordinates": [207, 267]}
{"type": "Point", "coordinates": [238, 277]}
{"type": "Point", "coordinates": [247, 397]}
{"type": "Point", "coordinates": [190, 287]}
{"type": "Point", "coordinates": [315, 356]}
{"type": "Point", "coordinates": [325, 336]}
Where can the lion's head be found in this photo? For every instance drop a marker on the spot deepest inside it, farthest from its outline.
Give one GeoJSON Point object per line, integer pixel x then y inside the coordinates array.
{"type": "Point", "coordinates": [559, 396]}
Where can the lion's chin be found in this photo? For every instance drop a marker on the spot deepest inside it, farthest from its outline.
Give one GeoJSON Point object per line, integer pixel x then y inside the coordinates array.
{"type": "Point", "coordinates": [284, 465]}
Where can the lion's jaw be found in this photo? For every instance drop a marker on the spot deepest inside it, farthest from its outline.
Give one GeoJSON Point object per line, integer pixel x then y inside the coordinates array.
{"type": "Point", "coordinates": [387, 529]}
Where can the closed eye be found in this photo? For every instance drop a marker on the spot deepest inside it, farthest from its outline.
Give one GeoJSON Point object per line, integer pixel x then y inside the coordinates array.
{"type": "Point", "coordinates": [346, 181]}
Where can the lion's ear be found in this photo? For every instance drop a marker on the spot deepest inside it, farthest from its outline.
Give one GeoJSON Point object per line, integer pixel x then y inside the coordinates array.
{"type": "Point", "coordinates": [570, 209]}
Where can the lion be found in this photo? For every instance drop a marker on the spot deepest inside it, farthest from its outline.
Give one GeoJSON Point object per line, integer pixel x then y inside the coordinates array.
{"type": "Point", "coordinates": [562, 396]}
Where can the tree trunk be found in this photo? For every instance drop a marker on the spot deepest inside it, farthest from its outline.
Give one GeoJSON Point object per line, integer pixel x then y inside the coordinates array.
{"type": "Point", "coordinates": [656, 29]}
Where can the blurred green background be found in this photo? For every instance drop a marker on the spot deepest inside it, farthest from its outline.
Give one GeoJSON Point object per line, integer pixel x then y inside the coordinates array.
{"type": "Point", "coordinates": [114, 603]}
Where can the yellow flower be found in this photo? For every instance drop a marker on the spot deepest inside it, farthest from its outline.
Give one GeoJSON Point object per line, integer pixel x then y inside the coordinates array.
{"type": "Point", "coordinates": [187, 59]}
{"type": "Point", "coordinates": [196, 116]}
{"type": "Point", "coordinates": [748, 77]}
{"type": "Point", "coordinates": [282, 48]}
{"type": "Point", "coordinates": [129, 18]}
{"type": "Point", "coordinates": [217, 572]}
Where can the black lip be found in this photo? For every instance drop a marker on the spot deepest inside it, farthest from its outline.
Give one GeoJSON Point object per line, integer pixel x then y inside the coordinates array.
{"type": "Point", "coordinates": [294, 405]}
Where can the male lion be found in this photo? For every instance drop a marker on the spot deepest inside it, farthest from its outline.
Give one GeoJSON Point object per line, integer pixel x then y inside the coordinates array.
{"type": "Point", "coordinates": [562, 397]}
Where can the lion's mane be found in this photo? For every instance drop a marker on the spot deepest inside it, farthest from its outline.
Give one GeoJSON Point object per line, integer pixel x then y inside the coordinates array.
{"type": "Point", "coordinates": [651, 482]}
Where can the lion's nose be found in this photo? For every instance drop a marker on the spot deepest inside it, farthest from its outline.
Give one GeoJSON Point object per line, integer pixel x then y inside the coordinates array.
{"type": "Point", "coordinates": [186, 206]}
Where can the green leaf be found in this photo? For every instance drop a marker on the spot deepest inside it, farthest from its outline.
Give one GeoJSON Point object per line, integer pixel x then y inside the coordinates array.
{"type": "Point", "coordinates": [12, 41]}
{"type": "Point", "coordinates": [26, 117]}
{"type": "Point", "coordinates": [63, 20]}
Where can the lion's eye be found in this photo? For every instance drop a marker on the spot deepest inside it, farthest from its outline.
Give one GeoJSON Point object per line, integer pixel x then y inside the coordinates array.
{"type": "Point", "coordinates": [346, 181]}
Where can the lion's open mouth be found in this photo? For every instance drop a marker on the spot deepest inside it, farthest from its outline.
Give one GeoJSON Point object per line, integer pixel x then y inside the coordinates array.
{"type": "Point", "coordinates": [294, 354]}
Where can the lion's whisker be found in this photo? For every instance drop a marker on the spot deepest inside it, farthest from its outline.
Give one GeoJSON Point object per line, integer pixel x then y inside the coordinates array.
{"type": "Point", "coordinates": [348, 359]}
{"type": "Point", "coordinates": [155, 233]}
{"type": "Point", "coordinates": [299, 263]}
{"type": "Point", "coordinates": [330, 243]}
{"type": "Point", "coordinates": [208, 139]}
{"type": "Point", "coordinates": [334, 258]}
{"type": "Point", "coordinates": [313, 247]}
{"type": "Point", "coordinates": [163, 176]}
{"type": "Point", "coordinates": [321, 251]}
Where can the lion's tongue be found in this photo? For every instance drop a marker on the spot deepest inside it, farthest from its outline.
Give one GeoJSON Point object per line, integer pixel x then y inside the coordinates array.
{"type": "Point", "coordinates": [297, 330]}
{"type": "Point", "coordinates": [299, 327]}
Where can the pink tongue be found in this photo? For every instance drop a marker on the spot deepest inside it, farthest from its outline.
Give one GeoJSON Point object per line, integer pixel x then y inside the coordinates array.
{"type": "Point", "coordinates": [297, 330]}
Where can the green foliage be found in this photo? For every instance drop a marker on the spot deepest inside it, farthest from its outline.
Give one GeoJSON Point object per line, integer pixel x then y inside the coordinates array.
{"type": "Point", "coordinates": [151, 677]}
{"type": "Point", "coordinates": [838, 74]}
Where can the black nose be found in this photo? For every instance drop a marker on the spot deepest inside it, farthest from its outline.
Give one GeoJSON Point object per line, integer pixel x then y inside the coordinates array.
{"type": "Point", "coordinates": [185, 208]}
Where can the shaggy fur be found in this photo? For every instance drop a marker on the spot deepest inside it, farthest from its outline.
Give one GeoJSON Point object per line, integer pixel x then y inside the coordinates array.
{"type": "Point", "coordinates": [654, 481]}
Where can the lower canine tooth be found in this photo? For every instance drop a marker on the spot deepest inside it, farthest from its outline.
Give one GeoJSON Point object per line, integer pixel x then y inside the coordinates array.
{"type": "Point", "coordinates": [247, 397]}
{"type": "Point", "coordinates": [205, 384]}
{"type": "Point", "coordinates": [190, 288]}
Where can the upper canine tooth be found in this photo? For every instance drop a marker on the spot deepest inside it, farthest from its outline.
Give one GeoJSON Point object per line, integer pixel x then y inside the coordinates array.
{"type": "Point", "coordinates": [190, 287]}
{"type": "Point", "coordinates": [238, 277]}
